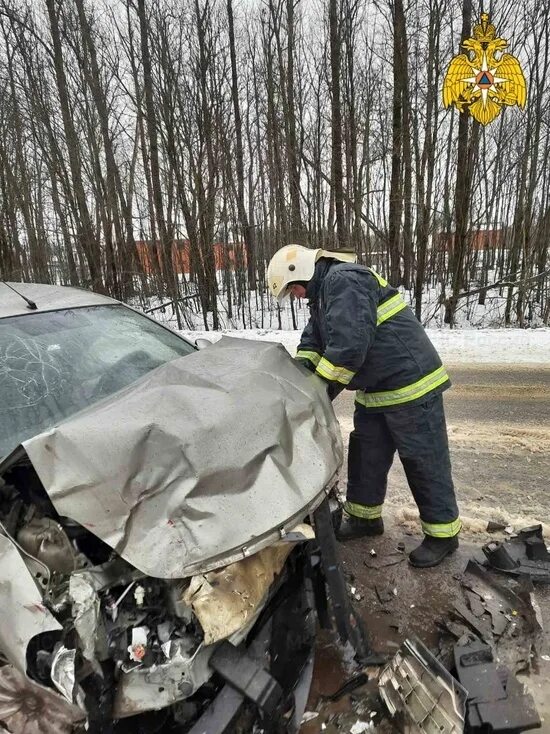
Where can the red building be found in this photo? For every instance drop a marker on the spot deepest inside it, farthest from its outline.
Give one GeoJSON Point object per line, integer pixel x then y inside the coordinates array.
{"type": "Point", "coordinates": [226, 256]}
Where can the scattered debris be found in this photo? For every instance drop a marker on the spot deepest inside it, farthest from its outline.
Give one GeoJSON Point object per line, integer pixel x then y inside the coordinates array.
{"type": "Point", "coordinates": [401, 547]}
{"type": "Point", "coordinates": [361, 726]}
{"type": "Point", "coordinates": [372, 552]}
{"type": "Point", "coordinates": [138, 648]}
{"type": "Point", "coordinates": [495, 527]}
{"type": "Point", "coordinates": [497, 702]}
{"type": "Point", "coordinates": [416, 684]}
{"type": "Point", "coordinates": [309, 716]}
{"type": "Point", "coordinates": [384, 593]}
{"type": "Point", "coordinates": [385, 564]}
{"type": "Point", "coordinates": [350, 685]}
{"type": "Point", "coordinates": [524, 555]}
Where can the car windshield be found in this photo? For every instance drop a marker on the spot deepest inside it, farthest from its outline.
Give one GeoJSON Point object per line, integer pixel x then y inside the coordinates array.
{"type": "Point", "coordinates": [56, 363]}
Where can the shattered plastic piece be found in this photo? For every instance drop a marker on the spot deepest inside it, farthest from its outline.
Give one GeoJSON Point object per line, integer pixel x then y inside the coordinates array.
{"type": "Point", "coordinates": [248, 676]}
{"type": "Point", "coordinates": [524, 555]}
{"type": "Point", "coordinates": [509, 530]}
{"type": "Point", "coordinates": [372, 552]}
{"type": "Point", "coordinates": [139, 595]}
{"type": "Point", "coordinates": [138, 648]}
{"type": "Point", "coordinates": [356, 682]}
{"type": "Point", "coordinates": [384, 594]}
{"type": "Point", "coordinates": [361, 726]}
{"type": "Point", "coordinates": [416, 684]}
{"type": "Point", "coordinates": [494, 527]}
{"type": "Point", "coordinates": [497, 702]}
{"type": "Point", "coordinates": [309, 716]}
{"type": "Point", "coordinates": [545, 657]}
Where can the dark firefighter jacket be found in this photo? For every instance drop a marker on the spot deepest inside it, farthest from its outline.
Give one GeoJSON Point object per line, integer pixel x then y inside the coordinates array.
{"type": "Point", "coordinates": [362, 335]}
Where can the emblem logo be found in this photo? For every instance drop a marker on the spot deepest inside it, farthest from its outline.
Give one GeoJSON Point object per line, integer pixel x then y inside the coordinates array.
{"type": "Point", "coordinates": [481, 81]}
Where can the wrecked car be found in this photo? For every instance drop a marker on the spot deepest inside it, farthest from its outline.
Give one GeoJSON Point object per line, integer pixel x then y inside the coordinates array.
{"type": "Point", "coordinates": [157, 563]}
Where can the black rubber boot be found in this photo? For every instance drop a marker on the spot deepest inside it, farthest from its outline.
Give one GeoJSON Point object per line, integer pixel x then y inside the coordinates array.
{"type": "Point", "coordinates": [356, 527]}
{"type": "Point", "coordinates": [432, 551]}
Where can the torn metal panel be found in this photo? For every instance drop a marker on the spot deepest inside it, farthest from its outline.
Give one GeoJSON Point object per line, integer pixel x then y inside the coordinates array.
{"type": "Point", "coordinates": [21, 603]}
{"type": "Point", "coordinates": [27, 708]}
{"type": "Point", "coordinates": [63, 673]}
{"type": "Point", "coordinates": [417, 685]}
{"type": "Point", "coordinates": [497, 702]}
{"type": "Point", "coordinates": [225, 600]}
{"type": "Point", "coordinates": [159, 473]}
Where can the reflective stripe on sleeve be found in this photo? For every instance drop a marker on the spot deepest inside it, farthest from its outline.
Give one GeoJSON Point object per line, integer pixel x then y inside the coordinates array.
{"type": "Point", "coordinates": [403, 394]}
{"type": "Point", "coordinates": [314, 357]}
{"type": "Point", "coordinates": [389, 308]}
{"type": "Point", "coordinates": [365, 512]}
{"type": "Point", "coordinates": [442, 529]}
{"type": "Point", "coordinates": [333, 372]}
{"type": "Point", "coordinates": [381, 281]}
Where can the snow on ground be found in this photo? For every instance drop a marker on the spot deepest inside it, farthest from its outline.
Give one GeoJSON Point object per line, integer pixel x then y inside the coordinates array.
{"type": "Point", "coordinates": [472, 346]}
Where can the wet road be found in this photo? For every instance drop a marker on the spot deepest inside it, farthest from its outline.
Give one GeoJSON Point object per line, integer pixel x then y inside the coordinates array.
{"type": "Point", "coordinates": [499, 430]}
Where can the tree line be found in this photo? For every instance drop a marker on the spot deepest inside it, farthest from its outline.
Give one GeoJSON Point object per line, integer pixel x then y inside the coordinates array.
{"type": "Point", "coordinates": [132, 124]}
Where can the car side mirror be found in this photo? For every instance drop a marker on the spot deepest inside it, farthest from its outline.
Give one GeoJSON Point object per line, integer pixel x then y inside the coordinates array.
{"type": "Point", "coordinates": [202, 343]}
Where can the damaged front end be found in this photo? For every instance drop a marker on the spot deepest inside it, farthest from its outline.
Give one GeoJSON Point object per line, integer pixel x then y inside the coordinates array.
{"type": "Point", "coordinates": [142, 579]}
{"type": "Point", "coordinates": [115, 643]}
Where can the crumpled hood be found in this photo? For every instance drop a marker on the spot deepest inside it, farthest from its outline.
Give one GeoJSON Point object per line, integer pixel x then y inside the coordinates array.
{"type": "Point", "coordinates": [199, 463]}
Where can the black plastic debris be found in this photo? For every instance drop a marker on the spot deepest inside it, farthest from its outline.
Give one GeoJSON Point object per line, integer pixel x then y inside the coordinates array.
{"type": "Point", "coordinates": [349, 686]}
{"type": "Point", "coordinates": [248, 676]}
{"type": "Point", "coordinates": [495, 527]}
{"type": "Point", "coordinates": [524, 555]}
{"type": "Point", "coordinates": [497, 702]}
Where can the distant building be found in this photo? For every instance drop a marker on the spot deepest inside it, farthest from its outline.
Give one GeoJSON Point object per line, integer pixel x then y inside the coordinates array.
{"type": "Point", "coordinates": [226, 256]}
{"type": "Point", "coordinates": [480, 239]}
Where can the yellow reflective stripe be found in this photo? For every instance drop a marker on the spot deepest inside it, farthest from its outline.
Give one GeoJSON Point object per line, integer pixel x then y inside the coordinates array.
{"type": "Point", "coordinates": [366, 512]}
{"type": "Point", "coordinates": [389, 308]}
{"type": "Point", "coordinates": [403, 394]}
{"type": "Point", "coordinates": [382, 281]}
{"type": "Point", "coordinates": [313, 357]}
{"type": "Point", "coordinates": [332, 372]}
{"type": "Point", "coordinates": [442, 529]}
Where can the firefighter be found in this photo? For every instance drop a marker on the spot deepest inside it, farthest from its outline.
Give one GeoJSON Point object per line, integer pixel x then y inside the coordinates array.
{"type": "Point", "coordinates": [362, 336]}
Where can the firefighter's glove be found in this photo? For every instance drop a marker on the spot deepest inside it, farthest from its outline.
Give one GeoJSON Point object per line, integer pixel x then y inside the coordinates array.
{"type": "Point", "coordinates": [307, 363]}
{"type": "Point", "coordinates": [333, 388]}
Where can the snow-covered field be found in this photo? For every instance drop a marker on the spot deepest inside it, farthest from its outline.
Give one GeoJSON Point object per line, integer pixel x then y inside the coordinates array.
{"type": "Point", "coordinates": [472, 346]}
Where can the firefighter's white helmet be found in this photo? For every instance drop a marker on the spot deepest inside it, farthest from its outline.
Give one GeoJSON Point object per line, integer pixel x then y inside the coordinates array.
{"type": "Point", "coordinates": [295, 263]}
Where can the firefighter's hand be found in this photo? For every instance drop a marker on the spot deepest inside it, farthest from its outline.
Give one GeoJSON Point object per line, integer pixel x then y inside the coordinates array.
{"type": "Point", "coordinates": [333, 388]}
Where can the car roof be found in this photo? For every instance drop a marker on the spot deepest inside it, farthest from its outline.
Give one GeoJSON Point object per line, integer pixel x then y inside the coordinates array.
{"type": "Point", "coordinates": [47, 298]}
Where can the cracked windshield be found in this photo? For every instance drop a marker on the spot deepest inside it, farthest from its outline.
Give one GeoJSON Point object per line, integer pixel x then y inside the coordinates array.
{"type": "Point", "coordinates": [56, 363]}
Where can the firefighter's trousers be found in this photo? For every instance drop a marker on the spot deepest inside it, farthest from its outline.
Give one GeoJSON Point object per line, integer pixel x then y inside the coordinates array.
{"type": "Point", "coordinates": [419, 435]}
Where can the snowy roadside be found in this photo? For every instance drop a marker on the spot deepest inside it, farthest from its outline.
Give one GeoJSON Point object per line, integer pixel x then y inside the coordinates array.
{"type": "Point", "coordinates": [462, 347]}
